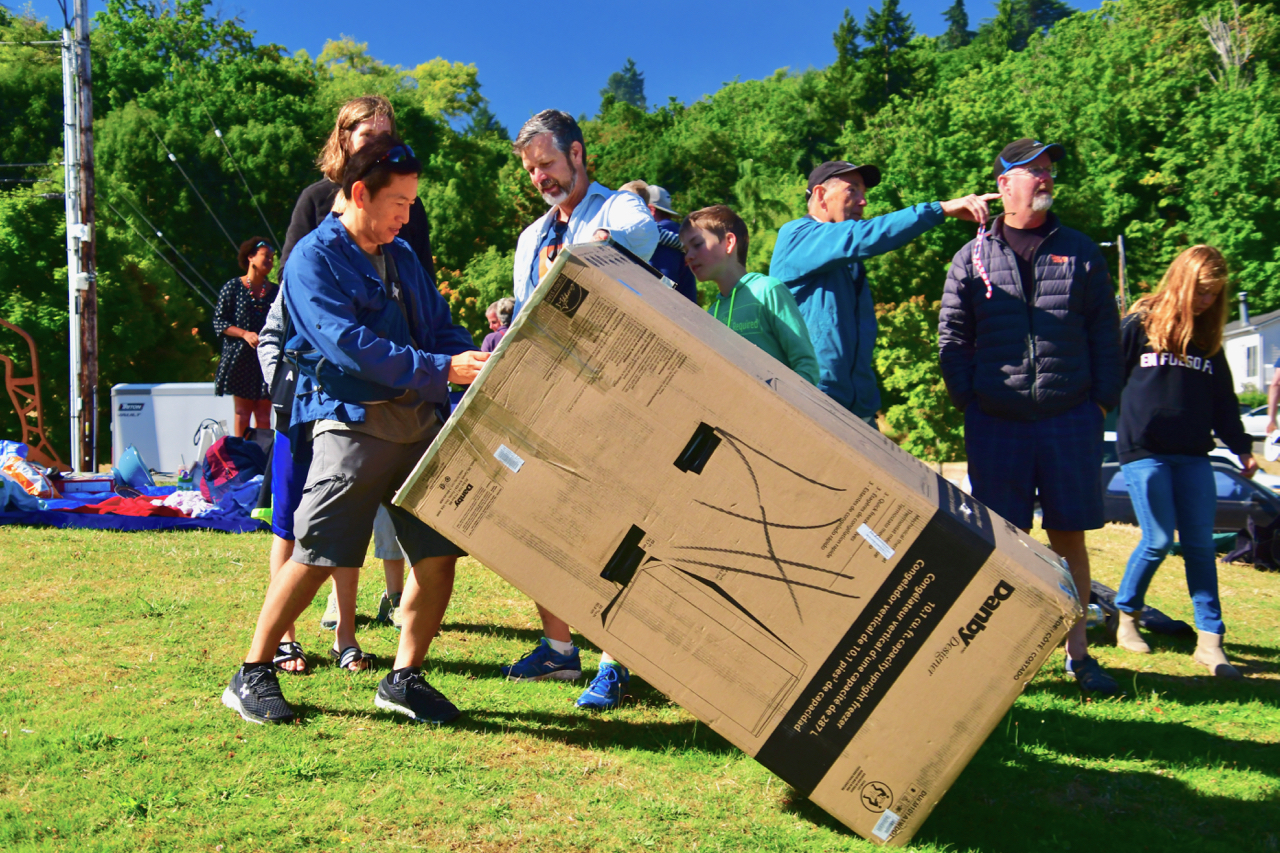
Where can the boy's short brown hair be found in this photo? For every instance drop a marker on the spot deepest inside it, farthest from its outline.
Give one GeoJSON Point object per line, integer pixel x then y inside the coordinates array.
{"type": "Point", "coordinates": [720, 220]}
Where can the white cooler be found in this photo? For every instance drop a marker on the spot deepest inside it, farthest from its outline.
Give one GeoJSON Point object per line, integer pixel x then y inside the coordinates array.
{"type": "Point", "coordinates": [160, 420]}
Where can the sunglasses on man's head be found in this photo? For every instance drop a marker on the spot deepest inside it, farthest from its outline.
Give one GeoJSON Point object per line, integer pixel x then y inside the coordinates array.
{"type": "Point", "coordinates": [397, 154]}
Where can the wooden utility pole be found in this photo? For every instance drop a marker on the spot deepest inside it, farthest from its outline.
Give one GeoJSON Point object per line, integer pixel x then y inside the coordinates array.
{"type": "Point", "coordinates": [88, 261]}
{"type": "Point", "coordinates": [82, 291]}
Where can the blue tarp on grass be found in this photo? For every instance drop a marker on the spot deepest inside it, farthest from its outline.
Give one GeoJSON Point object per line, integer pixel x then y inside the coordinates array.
{"type": "Point", "coordinates": [231, 516]}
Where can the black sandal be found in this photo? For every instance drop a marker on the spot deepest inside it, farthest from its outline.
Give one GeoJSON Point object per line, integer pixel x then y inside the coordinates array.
{"type": "Point", "coordinates": [286, 652]}
{"type": "Point", "coordinates": [350, 656]}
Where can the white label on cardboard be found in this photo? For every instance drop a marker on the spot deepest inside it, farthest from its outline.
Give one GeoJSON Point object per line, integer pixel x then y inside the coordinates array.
{"type": "Point", "coordinates": [885, 825]}
{"type": "Point", "coordinates": [508, 457]}
{"type": "Point", "coordinates": [876, 542]}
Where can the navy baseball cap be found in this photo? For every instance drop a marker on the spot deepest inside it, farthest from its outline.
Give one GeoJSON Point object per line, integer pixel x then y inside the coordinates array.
{"type": "Point", "coordinates": [1023, 151]}
{"type": "Point", "coordinates": [831, 168]}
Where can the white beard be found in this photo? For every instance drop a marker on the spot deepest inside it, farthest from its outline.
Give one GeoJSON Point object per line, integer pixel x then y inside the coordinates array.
{"type": "Point", "coordinates": [1041, 202]}
{"type": "Point", "coordinates": [554, 199]}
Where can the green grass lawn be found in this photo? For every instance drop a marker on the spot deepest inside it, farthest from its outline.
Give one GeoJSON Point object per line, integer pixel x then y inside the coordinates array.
{"type": "Point", "coordinates": [115, 648]}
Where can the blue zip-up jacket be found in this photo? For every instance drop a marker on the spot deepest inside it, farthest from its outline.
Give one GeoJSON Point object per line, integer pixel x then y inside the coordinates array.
{"type": "Point", "coordinates": [668, 259]}
{"type": "Point", "coordinates": [821, 262]}
{"type": "Point", "coordinates": [358, 345]}
{"type": "Point", "coordinates": [1027, 362]}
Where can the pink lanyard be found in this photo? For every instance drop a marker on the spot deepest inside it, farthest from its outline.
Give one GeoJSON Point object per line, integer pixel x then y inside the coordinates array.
{"type": "Point", "coordinates": [977, 257]}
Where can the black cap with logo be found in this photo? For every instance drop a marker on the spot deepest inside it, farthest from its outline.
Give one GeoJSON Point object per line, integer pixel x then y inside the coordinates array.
{"type": "Point", "coordinates": [831, 168]}
{"type": "Point", "coordinates": [1023, 151]}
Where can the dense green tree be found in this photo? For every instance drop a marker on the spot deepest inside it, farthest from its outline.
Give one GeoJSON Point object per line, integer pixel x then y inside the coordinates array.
{"type": "Point", "coordinates": [958, 33]}
{"type": "Point", "coordinates": [626, 86]}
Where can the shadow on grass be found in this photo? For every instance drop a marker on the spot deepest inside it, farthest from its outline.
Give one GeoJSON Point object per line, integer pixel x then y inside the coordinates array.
{"type": "Point", "coordinates": [525, 635]}
{"type": "Point", "coordinates": [589, 730]}
{"type": "Point", "coordinates": [1019, 795]}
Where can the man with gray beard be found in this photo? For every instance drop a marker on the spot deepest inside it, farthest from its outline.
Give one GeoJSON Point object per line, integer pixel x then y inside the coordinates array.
{"type": "Point", "coordinates": [554, 155]}
{"type": "Point", "coordinates": [1030, 348]}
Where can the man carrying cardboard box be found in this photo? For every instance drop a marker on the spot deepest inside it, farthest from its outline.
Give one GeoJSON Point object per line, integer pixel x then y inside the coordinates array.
{"type": "Point", "coordinates": [379, 348]}
{"type": "Point", "coordinates": [551, 149]}
{"type": "Point", "coordinates": [1029, 338]}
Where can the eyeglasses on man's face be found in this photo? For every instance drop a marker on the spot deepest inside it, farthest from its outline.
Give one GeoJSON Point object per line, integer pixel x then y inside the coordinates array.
{"type": "Point", "coordinates": [1038, 172]}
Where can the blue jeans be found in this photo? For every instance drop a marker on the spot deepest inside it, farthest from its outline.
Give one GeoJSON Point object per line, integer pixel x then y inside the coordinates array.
{"type": "Point", "coordinates": [1168, 492]}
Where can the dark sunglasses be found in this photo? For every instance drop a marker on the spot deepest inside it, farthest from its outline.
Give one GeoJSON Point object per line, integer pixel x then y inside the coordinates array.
{"type": "Point", "coordinates": [258, 245]}
{"type": "Point", "coordinates": [554, 249]}
{"type": "Point", "coordinates": [398, 154]}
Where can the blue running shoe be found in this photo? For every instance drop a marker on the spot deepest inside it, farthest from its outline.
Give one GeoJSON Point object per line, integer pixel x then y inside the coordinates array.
{"type": "Point", "coordinates": [606, 689]}
{"type": "Point", "coordinates": [545, 662]}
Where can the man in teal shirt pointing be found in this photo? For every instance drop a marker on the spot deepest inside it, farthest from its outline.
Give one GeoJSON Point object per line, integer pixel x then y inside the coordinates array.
{"type": "Point", "coordinates": [758, 307]}
{"type": "Point", "coordinates": [820, 258]}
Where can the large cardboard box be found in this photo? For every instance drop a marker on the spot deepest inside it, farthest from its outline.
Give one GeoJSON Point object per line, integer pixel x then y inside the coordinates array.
{"type": "Point", "coordinates": [787, 574]}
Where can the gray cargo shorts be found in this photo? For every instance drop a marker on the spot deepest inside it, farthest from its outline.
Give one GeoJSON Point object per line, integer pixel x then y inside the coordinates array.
{"type": "Point", "coordinates": [351, 474]}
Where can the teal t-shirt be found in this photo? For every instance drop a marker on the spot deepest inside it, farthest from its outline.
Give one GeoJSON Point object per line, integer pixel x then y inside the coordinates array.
{"type": "Point", "coordinates": [763, 311]}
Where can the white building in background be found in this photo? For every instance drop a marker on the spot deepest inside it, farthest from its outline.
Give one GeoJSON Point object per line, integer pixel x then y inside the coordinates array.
{"type": "Point", "coordinates": [1252, 345]}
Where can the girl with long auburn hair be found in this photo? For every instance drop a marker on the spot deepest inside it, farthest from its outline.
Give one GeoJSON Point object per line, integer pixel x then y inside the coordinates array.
{"type": "Point", "coordinates": [1178, 395]}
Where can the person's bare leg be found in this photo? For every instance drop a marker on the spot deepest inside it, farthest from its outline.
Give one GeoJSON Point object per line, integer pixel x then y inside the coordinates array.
{"type": "Point", "coordinates": [393, 572]}
{"type": "Point", "coordinates": [244, 411]}
{"type": "Point", "coordinates": [426, 597]}
{"type": "Point", "coordinates": [553, 627]}
{"type": "Point", "coordinates": [1070, 545]}
{"type": "Point", "coordinates": [346, 583]}
{"type": "Point", "coordinates": [291, 591]}
{"type": "Point", "coordinates": [280, 551]}
{"type": "Point", "coordinates": [262, 414]}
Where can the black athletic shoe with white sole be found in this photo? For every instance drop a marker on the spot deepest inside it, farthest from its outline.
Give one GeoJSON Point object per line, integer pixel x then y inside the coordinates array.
{"type": "Point", "coordinates": [254, 694]}
{"type": "Point", "coordinates": [415, 698]}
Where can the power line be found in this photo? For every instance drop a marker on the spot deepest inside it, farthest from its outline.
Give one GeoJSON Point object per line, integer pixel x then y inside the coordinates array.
{"type": "Point", "coordinates": [27, 165]}
{"type": "Point", "coordinates": [175, 162]}
{"type": "Point", "coordinates": [218, 133]}
{"type": "Point", "coordinates": [174, 248]}
{"type": "Point", "coordinates": [156, 252]}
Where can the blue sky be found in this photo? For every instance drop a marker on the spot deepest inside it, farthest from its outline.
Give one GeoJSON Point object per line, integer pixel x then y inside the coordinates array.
{"type": "Point", "coordinates": [531, 57]}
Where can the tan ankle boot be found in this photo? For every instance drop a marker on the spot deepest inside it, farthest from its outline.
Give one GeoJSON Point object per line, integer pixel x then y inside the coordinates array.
{"type": "Point", "coordinates": [1127, 636]}
{"type": "Point", "coordinates": [1209, 652]}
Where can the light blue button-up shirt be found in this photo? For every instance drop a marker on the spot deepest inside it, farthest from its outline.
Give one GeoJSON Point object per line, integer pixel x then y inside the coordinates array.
{"type": "Point", "coordinates": [623, 215]}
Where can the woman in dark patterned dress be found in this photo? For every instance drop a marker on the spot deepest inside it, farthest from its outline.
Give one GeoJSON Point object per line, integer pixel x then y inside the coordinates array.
{"type": "Point", "coordinates": [240, 315]}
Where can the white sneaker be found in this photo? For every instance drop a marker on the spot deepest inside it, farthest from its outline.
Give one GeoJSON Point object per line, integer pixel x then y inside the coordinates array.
{"type": "Point", "coordinates": [330, 618]}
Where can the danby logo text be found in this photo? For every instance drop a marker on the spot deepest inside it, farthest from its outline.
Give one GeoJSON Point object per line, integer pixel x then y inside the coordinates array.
{"type": "Point", "coordinates": [979, 621]}
{"type": "Point", "coordinates": [462, 497]}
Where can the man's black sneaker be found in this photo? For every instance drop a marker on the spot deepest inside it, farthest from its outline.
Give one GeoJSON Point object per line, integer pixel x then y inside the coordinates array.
{"type": "Point", "coordinates": [415, 698]}
{"type": "Point", "coordinates": [255, 695]}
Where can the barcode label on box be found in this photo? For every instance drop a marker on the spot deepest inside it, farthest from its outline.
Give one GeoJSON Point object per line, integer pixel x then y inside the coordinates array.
{"type": "Point", "coordinates": [508, 457]}
{"type": "Point", "coordinates": [885, 825]}
{"type": "Point", "coordinates": [876, 542]}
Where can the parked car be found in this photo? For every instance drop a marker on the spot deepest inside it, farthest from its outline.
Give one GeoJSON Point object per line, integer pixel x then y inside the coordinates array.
{"type": "Point", "coordinates": [1255, 422]}
{"type": "Point", "coordinates": [1239, 498]}
{"type": "Point", "coordinates": [1262, 478]}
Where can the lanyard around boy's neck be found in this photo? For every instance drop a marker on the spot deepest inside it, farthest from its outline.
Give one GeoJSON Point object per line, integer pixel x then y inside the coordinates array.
{"type": "Point", "coordinates": [715, 311]}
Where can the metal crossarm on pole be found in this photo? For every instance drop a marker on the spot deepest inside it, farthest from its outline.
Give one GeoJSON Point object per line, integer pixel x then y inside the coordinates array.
{"type": "Point", "coordinates": [173, 159]}
{"type": "Point", "coordinates": [218, 133]}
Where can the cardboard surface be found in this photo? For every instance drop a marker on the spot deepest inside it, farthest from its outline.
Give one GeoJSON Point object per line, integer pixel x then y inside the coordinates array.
{"type": "Point", "coordinates": [820, 598]}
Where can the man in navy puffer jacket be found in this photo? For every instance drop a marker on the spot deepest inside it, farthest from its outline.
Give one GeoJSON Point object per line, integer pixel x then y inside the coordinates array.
{"type": "Point", "coordinates": [1030, 347]}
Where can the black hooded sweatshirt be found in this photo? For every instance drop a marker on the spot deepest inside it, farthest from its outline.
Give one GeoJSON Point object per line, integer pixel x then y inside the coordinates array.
{"type": "Point", "coordinates": [1172, 405]}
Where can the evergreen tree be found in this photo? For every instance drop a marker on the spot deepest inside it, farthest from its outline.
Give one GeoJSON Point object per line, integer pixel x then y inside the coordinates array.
{"type": "Point", "coordinates": [485, 123]}
{"type": "Point", "coordinates": [1032, 16]}
{"type": "Point", "coordinates": [958, 33]}
{"type": "Point", "coordinates": [887, 31]}
{"type": "Point", "coordinates": [627, 86]}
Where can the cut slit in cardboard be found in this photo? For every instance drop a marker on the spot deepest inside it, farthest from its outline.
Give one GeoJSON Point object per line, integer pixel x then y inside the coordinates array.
{"type": "Point", "coordinates": [757, 553]}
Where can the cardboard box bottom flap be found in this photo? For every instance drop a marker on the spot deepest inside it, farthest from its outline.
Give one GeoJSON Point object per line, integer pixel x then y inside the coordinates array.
{"type": "Point", "coordinates": [821, 599]}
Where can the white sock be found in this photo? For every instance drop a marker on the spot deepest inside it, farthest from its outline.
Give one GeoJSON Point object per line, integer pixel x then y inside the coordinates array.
{"type": "Point", "coordinates": [559, 646]}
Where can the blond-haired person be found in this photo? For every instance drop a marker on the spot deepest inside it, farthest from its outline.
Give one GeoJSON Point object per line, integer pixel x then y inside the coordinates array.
{"type": "Point", "coordinates": [1177, 396]}
{"type": "Point", "coordinates": [359, 120]}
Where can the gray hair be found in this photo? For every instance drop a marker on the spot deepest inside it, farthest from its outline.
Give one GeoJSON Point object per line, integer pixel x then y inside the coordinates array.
{"type": "Point", "coordinates": [563, 129]}
{"type": "Point", "coordinates": [504, 308]}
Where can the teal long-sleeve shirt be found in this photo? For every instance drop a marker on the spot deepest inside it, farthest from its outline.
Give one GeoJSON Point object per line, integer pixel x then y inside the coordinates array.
{"type": "Point", "coordinates": [763, 311]}
{"type": "Point", "coordinates": [821, 262]}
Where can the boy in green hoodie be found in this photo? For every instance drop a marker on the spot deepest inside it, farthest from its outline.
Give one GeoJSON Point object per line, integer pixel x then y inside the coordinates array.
{"type": "Point", "coordinates": [758, 307]}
